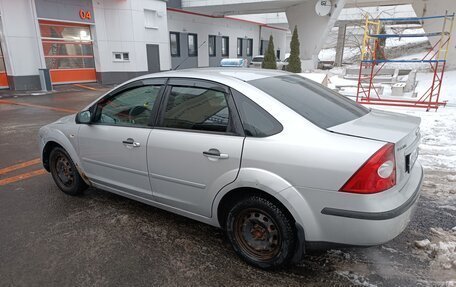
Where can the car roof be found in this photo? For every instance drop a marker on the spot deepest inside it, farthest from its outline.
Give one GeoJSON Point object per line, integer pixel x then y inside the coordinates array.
{"type": "Point", "coordinates": [220, 74]}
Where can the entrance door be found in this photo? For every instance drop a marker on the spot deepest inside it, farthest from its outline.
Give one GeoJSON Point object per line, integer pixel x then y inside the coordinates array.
{"type": "Point", "coordinates": [153, 58]}
{"type": "Point", "coordinates": [196, 148]}
{"type": "Point", "coordinates": [68, 51]}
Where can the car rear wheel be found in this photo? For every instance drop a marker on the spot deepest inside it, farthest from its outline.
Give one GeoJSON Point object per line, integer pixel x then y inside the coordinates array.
{"type": "Point", "coordinates": [261, 232]}
{"type": "Point", "coordinates": [64, 172]}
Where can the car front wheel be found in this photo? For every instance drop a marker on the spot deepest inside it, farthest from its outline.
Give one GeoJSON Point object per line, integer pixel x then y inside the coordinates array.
{"type": "Point", "coordinates": [261, 232]}
{"type": "Point", "coordinates": [64, 172]}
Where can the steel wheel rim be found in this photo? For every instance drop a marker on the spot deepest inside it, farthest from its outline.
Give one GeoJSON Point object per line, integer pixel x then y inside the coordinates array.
{"type": "Point", "coordinates": [64, 171]}
{"type": "Point", "coordinates": [258, 234]}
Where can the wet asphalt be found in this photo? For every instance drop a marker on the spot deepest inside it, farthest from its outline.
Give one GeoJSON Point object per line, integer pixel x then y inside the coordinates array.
{"type": "Point", "coordinates": [100, 239]}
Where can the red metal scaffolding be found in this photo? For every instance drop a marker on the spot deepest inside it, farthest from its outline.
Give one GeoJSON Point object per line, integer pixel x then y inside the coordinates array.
{"type": "Point", "coordinates": [371, 63]}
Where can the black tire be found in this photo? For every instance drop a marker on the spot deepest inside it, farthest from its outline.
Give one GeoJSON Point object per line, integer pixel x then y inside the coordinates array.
{"type": "Point", "coordinates": [261, 232]}
{"type": "Point", "coordinates": [64, 172]}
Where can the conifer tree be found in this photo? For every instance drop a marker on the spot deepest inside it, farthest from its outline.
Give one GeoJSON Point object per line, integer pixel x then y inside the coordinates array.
{"type": "Point", "coordinates": [294, 61]}
{"type": "Point", "coordinates": [270, 59]}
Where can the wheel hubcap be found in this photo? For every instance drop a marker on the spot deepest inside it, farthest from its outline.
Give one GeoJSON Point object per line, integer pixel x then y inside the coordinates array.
{"type": "Point", "coordinates": [64, 171]}
{"type": "Point", "coordinates": [257, 234]}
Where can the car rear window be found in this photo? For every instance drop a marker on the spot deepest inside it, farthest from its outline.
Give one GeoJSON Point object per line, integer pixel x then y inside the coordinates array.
{"type": "Point", "coordinates": [257, 59]}
{"type": "Point", "coordinates": [318, 104]}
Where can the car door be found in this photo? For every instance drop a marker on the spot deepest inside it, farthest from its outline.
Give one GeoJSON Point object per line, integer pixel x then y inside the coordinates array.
{"type": "Point", "coordinates": [113, 147]}
{"type": "Point", "coordinates": [195, 148]}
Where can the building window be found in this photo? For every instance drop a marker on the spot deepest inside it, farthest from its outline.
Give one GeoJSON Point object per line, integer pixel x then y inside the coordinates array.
{"type": "Point", "coordinates": [225, 46]}
{"type": "Point", "coordinates": [192, 44]}
{"type": "Point", "coordinates": [239, 47]}
{"type": "Point", "coordinates": [175, 44]}
{"type": "Point", "coordinates": [121, 56]}
{"type": "Point", "coordinates": [150, 19]}
{"type": "Point", "coordinates": [212, 46]}
{"type": "Point", "coordinates": [249, 47]}
{"type": "Point", "coordinates": [264, 45]}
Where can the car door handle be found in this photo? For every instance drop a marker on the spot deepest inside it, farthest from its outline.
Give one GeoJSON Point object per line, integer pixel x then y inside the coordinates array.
{"type": "Point", "coordinates": [215, 153]}
{"type": "Point", "coordinates": [131, 142]}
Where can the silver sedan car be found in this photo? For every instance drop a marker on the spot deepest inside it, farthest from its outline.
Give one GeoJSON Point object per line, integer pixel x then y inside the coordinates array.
{"type": "Point", "coordinates": [280, 163]}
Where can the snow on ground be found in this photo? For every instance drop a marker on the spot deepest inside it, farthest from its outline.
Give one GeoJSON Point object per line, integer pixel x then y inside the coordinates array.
{"type": "Point", "coordinates": [441, 249]}
{"type": "Point", "coordinates": [330, 53]}
{"type": "Point", "coordinates": [448, 92]}
{"type": "Point", "coordinates": [394, 42]}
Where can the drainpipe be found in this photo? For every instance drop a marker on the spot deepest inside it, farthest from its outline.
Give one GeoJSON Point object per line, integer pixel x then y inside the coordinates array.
{"type": "Point", "coordinates": [259, 41]}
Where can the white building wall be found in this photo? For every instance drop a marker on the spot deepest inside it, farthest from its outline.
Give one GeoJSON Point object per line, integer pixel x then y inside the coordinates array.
{"type": "Point", "coordinates": [233, 28]}
{"type": "Point", "coordinates": [205, 26]}
{"type": "Point", "coordinates": [120, 27]}
{"type": "Point", "coordinates": [20, 43]}
{"type": "Point", "coordinates": [280, 40]}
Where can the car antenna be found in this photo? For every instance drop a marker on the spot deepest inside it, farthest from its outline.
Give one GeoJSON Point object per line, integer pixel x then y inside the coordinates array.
{"type": "Point", "coordinates": [188, 56]}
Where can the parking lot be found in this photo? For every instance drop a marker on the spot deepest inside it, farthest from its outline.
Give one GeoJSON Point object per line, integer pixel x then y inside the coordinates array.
{"type": "Point", "coordinates": [50, 239]}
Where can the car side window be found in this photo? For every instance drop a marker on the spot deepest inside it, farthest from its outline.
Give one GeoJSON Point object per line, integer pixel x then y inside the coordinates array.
{"type": "Point", "coordinates": [255, 120]}
{"type": "Point", "coordinates": [196, 108]}
{"type": "Point", "coordinates": [132, 107]}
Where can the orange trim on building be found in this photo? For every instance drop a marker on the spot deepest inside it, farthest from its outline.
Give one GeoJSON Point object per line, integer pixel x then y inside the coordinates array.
{"type": "Point", "coordinates": [3, 79]}
{"type": "Point", "coordinates": [73, 75]}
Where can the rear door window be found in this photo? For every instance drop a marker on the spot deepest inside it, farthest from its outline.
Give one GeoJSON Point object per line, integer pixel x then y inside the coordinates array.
{"type": "Point", "coordinates": [318, 104]}
{"type": "Point", "coordinates": [195, 108]}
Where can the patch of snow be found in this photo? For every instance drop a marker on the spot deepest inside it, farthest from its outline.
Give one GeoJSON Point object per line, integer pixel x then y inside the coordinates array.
{"type": "Point", "coordinates": [422, 243]}
{"type": "Point", "coordinates": [355, 278]}
{"type": "Point", "coordinates": [449, 207]}
{"type": "Point", "coordinates": [441, 249]}
{"type": "Point", "coordinates": [392, 250]}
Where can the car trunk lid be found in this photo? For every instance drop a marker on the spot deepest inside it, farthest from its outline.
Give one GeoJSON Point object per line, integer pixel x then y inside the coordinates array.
{"type": "Point", "coordinates": [402, 130]}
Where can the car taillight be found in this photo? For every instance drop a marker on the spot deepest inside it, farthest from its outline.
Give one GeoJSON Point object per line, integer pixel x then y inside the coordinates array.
{"type": "Point", "coordinates": [377, 174]}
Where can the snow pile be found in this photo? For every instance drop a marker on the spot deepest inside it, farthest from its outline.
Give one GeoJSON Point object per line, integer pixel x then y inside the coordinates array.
{"type": "Point", "coordinates": [442, 249]}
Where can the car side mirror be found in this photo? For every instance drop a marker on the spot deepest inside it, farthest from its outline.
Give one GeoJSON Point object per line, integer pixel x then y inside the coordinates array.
{"type": "Point", "coordinates": [84, 117]}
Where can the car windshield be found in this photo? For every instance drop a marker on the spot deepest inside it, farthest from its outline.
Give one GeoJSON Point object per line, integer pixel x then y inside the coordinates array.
{"type": "Point", "coordinates": [257, 59]}
{"type": "Point", "coordinates": [318, 104]}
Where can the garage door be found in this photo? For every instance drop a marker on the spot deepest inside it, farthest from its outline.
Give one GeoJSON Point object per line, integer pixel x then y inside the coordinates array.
{"type": "Point", "coordinates": [3, 75]}
{"type": "Point", "coordinates": [68, 51]}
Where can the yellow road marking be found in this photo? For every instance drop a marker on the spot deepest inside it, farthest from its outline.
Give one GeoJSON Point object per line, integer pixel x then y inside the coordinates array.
{"type": "Point", "coordinates": [22, 176]}
{"type": "Point", "coordinates": [6, 102]}
{"type": "Point", "coordinates": [19, 166]}
{"type": "Point", "coordinates": [85, 87]}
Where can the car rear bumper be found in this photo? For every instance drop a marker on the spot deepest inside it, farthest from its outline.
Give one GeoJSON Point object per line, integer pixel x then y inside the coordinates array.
{"type": "Point", "coordinates": [360, 220]}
